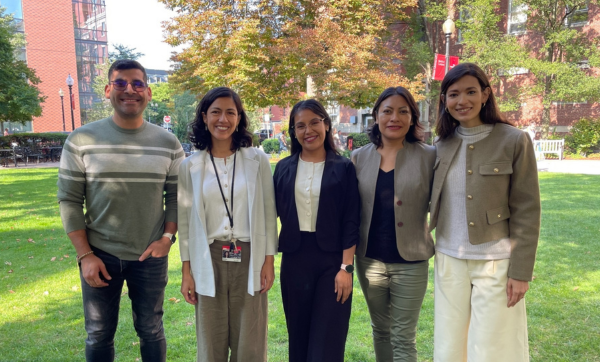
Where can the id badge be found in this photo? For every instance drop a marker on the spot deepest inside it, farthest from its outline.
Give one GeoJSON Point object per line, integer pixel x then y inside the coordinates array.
{"type": "Point", "coordinates": [234, 255]}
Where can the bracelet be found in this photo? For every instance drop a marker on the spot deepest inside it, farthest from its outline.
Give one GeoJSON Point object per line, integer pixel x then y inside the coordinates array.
{"type": "Point", "coordinates": [79, 257]}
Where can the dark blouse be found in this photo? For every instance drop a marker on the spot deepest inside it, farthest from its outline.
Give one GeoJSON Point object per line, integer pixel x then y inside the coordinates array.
{"type": "Point", "coordinates": [382, 233]}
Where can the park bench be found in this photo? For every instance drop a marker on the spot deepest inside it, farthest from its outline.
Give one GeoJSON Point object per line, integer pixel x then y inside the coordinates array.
{"type": "Point", "coordinates": [543, 147]}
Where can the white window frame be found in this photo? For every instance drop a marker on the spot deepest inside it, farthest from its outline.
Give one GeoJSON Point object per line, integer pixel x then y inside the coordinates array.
{"type": "Point", "coordinates": [517, 15]}
{"type": "Point", "coordinates": [577, 12]}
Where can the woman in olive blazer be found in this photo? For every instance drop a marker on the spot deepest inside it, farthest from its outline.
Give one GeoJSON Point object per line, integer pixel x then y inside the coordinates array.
{"type": "Point", "coordinates": [395, 174]}
{"type": "Point", "coordinates": [485, 207]}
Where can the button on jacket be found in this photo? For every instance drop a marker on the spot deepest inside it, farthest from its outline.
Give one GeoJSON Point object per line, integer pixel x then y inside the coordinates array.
{"type": "Point", "coordinates": [413, 178]}
{"type": "Point", "coordinates": [502, 190]}
{"type": "Point", "coordinates": [338, 215]}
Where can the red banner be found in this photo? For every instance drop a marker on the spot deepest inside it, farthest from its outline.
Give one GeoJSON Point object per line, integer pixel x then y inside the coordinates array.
{"type": "Point", "coordinates": [73, 101]}
{"type": "Point", "coordinates": [440, 66]}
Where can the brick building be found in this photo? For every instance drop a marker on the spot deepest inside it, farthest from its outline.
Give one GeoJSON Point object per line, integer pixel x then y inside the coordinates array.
{"type": "Point", "coordinates": [63, 37]}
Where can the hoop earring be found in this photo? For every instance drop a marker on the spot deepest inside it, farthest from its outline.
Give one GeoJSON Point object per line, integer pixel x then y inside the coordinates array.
{"type": "Point", "coordinates": [482, 105]}
{"type": "Point", "coordinates": [446, 110]}
{"type": "Point", "coordinates": [205, 127]}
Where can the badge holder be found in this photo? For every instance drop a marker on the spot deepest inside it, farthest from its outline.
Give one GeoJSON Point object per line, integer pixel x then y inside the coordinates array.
{"type": "Point", "coordinates": [232, 253]}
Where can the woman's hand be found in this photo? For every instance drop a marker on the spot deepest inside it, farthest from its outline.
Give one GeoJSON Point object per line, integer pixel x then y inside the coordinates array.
{"type": "Point", "coordinates": [515, 291]}
{"type": "Point", "coordinates": [267, 274]}
{"type": "Point", "coordinates": [188, 286]}
{"type": "Point", "coordinates": [343, 285]}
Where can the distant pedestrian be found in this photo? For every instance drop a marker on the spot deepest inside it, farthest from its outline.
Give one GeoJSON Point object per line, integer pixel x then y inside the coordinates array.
{"type": "Point", "coordinates": [6, 133]}
{"type": "Point", "coordinates": [342, 140]}
{"type": "Point", "coordinates": [283, 142]}
{"type": "Point", "coordinates": [485, 206]}
{"type": "Point", "coordinates": [124, 172]}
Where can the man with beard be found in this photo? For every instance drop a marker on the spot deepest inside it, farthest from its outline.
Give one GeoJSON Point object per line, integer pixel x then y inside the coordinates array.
{"type": "Point", "coordinates": [124, 170]}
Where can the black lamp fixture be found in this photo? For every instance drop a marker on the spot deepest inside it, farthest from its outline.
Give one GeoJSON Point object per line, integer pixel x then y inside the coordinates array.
{"type": "Point", "coordinates": [448, 29]}
{"type": "Point", "coordinates": [70, 82]}
{"type": "Point", "coordinates": [62, 105]}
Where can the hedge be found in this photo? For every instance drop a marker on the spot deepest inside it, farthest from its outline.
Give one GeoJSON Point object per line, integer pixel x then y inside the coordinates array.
{"type": "Point", "coordinates": [24, 139]}
{"type": "Point", "coordinates": [359, 139]}
{"type": "Point", "coordinates": [271, 145]}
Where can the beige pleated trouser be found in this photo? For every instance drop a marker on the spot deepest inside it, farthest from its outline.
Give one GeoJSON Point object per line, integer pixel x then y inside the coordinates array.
{"type": "Point", "coordinates": [233, 321]}
{"type": "Point", "coordinates": [472, 322]}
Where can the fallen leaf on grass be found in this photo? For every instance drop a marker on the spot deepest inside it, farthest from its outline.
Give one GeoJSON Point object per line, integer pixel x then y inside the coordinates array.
{"type": "Point", "coordinates": [189, 323]}
{"type": "Point", "coordinates": [60, 259]}
{"type": "Point", "coordinates": [576, 288]}
{"type": "Point", "coordinates": [46, 292]}
{"type": "Point", "coordinates": [7, 263]}
{"type": "Point", "coordinates": [53, 258]}
{"type": "Point", "coordinates": [11, 291]}
{"type": "Point", "coordinates": [18, 239]}
{"type": "Point", "coordinates": [30, 240]}
{"type": "Point", "coordinates": [174, 300]}
{"type": "Point", "coordinates": [66, 255]}
{"type": "Point", "coordinates": [10, 271]}
{"type": "Point", "coordinates": [533, 277]}
{"type": "Point", "coordinates": [74, 288]}
{"type": "Point", "coordinates": [30, 256]}
{"type": "Point", "coordinates": [135, 343]}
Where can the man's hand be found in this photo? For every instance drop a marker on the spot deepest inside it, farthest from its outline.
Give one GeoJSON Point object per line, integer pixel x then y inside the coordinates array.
{"type": "Point", "coordinates": [157, 249]}
{"type": "Point", "coordinates": [343, 285]}
{"type": "Point", "coordinates": [91, 267]}
{"type": "Point", "coordinates": [267, 274]}
{"type": "Point", "coordinates": [188, 288]}
{"type": "Point", "coordinates": [515, 291]}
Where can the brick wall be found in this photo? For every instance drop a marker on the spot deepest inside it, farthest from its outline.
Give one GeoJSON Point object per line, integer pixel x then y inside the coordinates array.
{"type": "Point", "coordinates": [51, 52]}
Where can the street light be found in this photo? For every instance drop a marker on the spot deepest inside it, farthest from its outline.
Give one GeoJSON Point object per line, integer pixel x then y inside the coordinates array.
{"type": "Point", "coordinates": [62, 105]}
{"type": "Point", "coordinates": [70, 83]}
{"type": "Point", "coordinates": [448, 29]}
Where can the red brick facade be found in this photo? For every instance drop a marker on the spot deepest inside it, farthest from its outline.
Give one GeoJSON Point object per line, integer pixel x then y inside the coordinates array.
{"type": "Point", "coordinates": [51, 52]}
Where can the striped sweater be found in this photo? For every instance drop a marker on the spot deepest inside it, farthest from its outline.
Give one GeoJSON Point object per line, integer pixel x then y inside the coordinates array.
{"type": "Point", "coordinates": [127, 180]}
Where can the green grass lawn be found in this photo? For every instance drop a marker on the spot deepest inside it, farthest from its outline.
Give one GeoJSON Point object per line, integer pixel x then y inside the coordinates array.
{"type": "Point", "coordinates": [41, 313]}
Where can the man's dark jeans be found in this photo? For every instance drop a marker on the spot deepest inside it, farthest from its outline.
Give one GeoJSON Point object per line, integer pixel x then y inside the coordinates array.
{"type": "Point", "coordinates": [146, 282]}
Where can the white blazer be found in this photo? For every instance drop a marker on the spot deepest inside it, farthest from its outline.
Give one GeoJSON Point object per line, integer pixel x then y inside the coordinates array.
{"type": "Point", "coordinates": [191, 219]}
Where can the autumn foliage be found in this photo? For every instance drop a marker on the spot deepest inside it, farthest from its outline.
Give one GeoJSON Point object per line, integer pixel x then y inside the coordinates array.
{"type": "Point", "coordinates": [267, 49]}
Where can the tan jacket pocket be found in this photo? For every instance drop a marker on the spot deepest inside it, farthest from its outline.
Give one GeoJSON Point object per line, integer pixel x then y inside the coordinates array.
{"type": "Point", "coordinates": [500, 168]}
{"type": "Point", "coordinates": [498, 214]}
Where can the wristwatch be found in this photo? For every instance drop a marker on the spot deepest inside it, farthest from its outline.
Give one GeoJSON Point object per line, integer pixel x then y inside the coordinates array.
{"type": "Point", "coordinates": [171, 237]}
{"type": "Point", "coordinates": [347, 268]}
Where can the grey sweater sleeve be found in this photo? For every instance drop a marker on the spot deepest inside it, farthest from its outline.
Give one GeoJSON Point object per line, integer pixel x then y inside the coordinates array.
{"type": "Point", "coordinates": [171, 184]}
{"type": "Point", "coordinates": [71, 186]}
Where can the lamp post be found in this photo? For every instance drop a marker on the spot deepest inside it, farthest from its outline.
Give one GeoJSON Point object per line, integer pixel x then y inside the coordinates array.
{"type": "Point", "coordinates": [70, 82]}
{"type": "Point", "coordinates": [448, 29]}
{"type": "Point", "coordinates": [62, 105]}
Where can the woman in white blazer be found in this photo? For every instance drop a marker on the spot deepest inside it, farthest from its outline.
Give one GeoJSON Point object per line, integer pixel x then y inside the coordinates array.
{"type": "Point", "coordinates": [227, 231]}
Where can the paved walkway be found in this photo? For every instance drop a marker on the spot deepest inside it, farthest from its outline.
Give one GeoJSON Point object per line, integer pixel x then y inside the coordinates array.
{"type": "Point", "coordinates": [588, 167]}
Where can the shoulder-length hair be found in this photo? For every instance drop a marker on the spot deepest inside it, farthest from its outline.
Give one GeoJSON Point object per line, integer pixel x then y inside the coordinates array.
{"type": "Point", "coordinates": [415, 132]}
{"type": "Point", "coordinates": [318, 109]}
{"type": "Point", "coordinates": [489, 114]}
{"type": "Point", "coordinates": [201, 137]}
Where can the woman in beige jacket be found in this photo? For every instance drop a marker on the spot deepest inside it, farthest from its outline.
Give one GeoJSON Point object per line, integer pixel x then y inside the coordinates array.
{"type": "Point", "coordinates": [485, 207]}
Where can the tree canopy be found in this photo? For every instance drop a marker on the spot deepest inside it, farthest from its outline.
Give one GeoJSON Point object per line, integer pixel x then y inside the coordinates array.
{"type": "Point", "coordinates": [267, 49]}
{"type": "Point", "coordinates": [124, 52]}
{"type": "Point", "coordinates": [20, 98]}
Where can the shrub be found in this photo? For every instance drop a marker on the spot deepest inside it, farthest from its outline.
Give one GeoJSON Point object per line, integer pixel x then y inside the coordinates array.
{"type": "Point", "coordinates": [271, 145]}
{"type": "Point", "coordinates": [41, 139]}
{"type": "Point", "coordinates": [359, 140]}
{"type": "Point", "coordinates": [584, 136]}
{"type": "Point", "coordinates": [255, 140]}
{"type": "Point", "coordinates": [346, 153]}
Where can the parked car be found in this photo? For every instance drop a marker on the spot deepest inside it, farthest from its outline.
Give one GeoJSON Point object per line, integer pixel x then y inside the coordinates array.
{"type": "Point", "coordinates": [263, 134]}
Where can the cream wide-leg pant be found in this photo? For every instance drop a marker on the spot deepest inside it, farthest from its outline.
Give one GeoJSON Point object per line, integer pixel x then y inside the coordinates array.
{"type": "Point", "coordinates": [472, 322]}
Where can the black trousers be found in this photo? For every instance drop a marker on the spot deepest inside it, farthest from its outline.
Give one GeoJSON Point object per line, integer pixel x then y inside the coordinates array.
{"type": "Point", "coordinates": [317, 324]}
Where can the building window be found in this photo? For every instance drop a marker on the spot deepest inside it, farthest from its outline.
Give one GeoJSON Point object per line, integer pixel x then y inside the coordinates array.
{"type": "Point", "coordinates": [333, 110]}
{"type": "Point", "coordinates": [577, 16]}
{"type": "Point", "coordinates": [464, 17]}
{"type": "Point", "coordinates": [517, 17]}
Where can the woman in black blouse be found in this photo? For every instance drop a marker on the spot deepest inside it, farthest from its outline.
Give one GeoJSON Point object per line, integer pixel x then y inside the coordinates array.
{"type": "Point", "coordinates": [395, 174]}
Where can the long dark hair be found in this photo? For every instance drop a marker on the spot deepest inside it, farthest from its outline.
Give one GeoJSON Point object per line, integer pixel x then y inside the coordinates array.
{"type": "Point", "coordinates": [201, 137]}
{"type": "Point", "coordinates": [415, 132]}
{"type": "Point", "coordinates": [490, 114]}
{"type": "Point", "coordinates": [318, 109]}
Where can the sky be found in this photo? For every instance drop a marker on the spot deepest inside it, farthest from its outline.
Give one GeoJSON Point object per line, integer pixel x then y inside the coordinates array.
{"type": "Point", "coordinates": [147, 37]}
